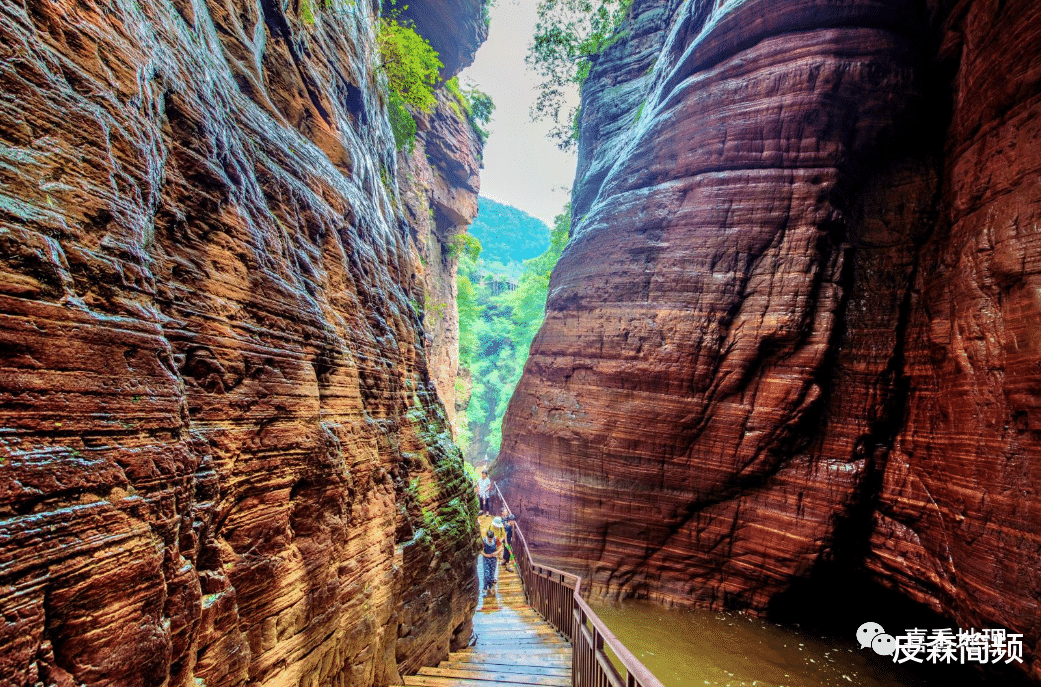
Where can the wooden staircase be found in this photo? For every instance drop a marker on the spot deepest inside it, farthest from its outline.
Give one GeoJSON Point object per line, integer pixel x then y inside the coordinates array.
{"type": "Point", "coordinates": [515, 646]}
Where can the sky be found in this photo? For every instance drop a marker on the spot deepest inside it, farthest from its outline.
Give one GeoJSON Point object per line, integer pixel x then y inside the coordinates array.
{"type": "Point", "coordinates": [522, 167]}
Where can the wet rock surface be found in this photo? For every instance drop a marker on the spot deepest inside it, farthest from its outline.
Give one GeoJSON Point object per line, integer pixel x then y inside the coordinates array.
{"type": "Point", "coordinates": [223, 459]}
{"type": "Point", "coordinates": [796, 321]}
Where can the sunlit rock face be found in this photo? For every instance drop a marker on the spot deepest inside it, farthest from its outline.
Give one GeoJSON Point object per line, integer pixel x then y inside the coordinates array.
{"type": "Point", "coordinates": [798, 318]}
{"type": "Point", "coordinates": [222, 457]}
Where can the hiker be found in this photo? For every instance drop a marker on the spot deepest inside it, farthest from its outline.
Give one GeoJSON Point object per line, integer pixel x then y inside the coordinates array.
{"type": "Point", "coordinates": [491, 560]}
{"type": "Point", "coordinates": [507, 547]}
{"type": "Point", "coordinates": [484, 493]}
{"type": "Point", "coordinates": [499, 529]}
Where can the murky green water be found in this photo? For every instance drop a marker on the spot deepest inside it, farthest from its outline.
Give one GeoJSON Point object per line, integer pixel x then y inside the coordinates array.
{"type": "Point", "coordinates": [695, 648]}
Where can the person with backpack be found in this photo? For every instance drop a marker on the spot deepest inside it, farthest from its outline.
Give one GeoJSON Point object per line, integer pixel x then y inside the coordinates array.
{"type": "Point", "coordinates": [490, 556]}
{"type": "Point", "coordinates": [509, 523]}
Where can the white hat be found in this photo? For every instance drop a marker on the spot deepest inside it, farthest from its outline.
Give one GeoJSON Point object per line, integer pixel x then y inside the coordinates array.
{"type": "Point", "coordinates": [496, 521]}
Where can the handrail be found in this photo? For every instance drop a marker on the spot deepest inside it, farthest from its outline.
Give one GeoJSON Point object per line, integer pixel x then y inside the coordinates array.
{"type": "Point", "coordinates": [557, 596]}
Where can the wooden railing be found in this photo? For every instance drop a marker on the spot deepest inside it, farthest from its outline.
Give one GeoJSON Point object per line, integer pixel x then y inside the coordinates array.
{"type": "Point", "coordinates": [557, 597]}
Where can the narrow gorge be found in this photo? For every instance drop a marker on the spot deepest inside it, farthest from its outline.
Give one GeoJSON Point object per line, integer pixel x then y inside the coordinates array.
{"type": "Point", "coordinates": [790, 361]}
{"type": "Point", "coordinates": [795, 335]}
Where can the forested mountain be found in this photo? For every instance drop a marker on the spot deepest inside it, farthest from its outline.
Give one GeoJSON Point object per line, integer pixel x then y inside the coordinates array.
{"type": "Point", "coordinates": [508, 234]}
{"type": "Point", "coordinates": [501, 305]}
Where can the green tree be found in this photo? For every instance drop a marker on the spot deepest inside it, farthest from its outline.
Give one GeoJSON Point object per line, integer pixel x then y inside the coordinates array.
{"type": "Point", "coordinates": [412, 67]}
{"type": "Point", "coordinates": [529, 300]}
{"type": "Point", "coordinates": [469, 315]}
{"type": "Point", "coordinates": [569, 34]}
{"type": "Point", "coordinates": [481, 106]}
{"type": "Point", "coordinates": [477, 104]}
{"type": "Point", "coordinates": [464, 244]}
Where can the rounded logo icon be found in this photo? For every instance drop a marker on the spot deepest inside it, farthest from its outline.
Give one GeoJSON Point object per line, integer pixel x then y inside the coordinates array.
{"type": "Point", "coordinates": [883, 644]}
{"type": "Point", "coordinates": [867, 632]}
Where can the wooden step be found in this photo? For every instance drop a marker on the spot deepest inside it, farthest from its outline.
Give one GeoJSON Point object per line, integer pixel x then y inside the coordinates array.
{"type": "Point", "coordinates": [535, 652]}
{"type": "Point", "coordinates": [519, 641]}
{"type": "Point", "coordinates": [507, 622]}
{"type": "Point", "coordinates": [509, 626]}
{"type": "Point", "coordinates": [432, 681]}
{"type": "Point", "coordinates": [532, 656]}
{"type": "Point", "coordinates": [512, 667]}
{"type": "Point", "coordinates": [556, 662]}
{"type": "Point", "coordinates": [484, 646]}
{"type": "Point", "coordinates": [489, 675]}
{"type": "Point", "coordinates": [518, 611]}
{"type": "Point", "coordinates": [517, 630]}
{"type": "Point", "coordinates": [517, 636]}
{"type": "Point", "coordinates": [522, 642]}
{"type": "Point", "coordinates": [557, 666]}
{"type": "Point", "coordinates": [525, 629]}
{"type": "Point", "coordinates": [494, 613]}
{"type": "Point", "coordinates": [509, 615]}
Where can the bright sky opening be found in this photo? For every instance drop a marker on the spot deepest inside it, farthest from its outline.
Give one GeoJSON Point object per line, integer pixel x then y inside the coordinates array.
{"type": "Point", "coordinates": [522, 167]}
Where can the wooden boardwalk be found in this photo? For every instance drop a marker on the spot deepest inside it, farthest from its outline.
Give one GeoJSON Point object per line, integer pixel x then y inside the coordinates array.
{"type": "Point", "coordinates": [515, 646]}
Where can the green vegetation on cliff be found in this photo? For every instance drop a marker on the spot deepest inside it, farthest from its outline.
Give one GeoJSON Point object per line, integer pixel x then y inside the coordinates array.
{"type": "Point", "coordinates": [476, 105]}
{"type": "Point", "coordinates": [501, 300]}
{"type": "Point", "coordinates": [411, 66]}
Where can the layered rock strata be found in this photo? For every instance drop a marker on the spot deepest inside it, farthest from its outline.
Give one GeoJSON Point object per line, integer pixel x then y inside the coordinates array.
{"type": "Point", "coordinates": [797, 319]}
{"type": "Point", "coordinates": [223, 460]}
{"type": "Point", "coordinates": [958, 520]}
{"type": "Point", "coordinates": [441, 173]}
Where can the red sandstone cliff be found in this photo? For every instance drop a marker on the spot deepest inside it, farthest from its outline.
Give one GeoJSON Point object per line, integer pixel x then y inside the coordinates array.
{"type": "Point", "coordinates": [222, 456]}
{"type": "Point", "coordinates": [798, 317]}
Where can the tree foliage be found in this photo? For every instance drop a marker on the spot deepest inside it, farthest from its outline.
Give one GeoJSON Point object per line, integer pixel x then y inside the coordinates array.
{"type": "Point", "coordinates": [476, 105]}
{"type": "Point", "coordinates": [465, 245]}
{"type": "Point", "coordinates": [412, 66]}
{"type": "Point", "coordinates": [496, 328]}
{"type": "Point", "coordinates": [481, 106]}
{"type": "Point", "coordinates": [569, 34]}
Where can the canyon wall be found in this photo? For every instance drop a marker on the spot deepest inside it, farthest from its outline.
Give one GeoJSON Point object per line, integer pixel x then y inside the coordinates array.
{"type": "Point", "coordinates": [440, 175]}
{"type": "Point", "coordinates": [223, 459]}
{"type": "Point", "coordinates": [797, 323]}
